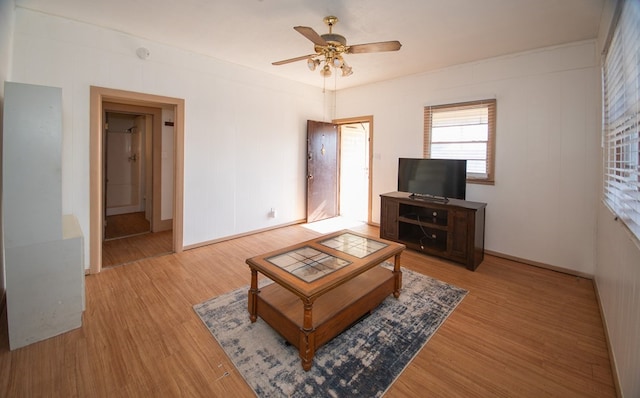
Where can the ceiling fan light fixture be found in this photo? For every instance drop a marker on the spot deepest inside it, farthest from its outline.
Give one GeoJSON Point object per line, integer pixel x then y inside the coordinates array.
{"type": "Point", "coordinates": [313, 63]}
{"type": "Point", "coordinates": [337, 62]}
{"type": "Point", "coordinates": [346, 70]}
{"type": "Point", "coordinates": [325, 71]}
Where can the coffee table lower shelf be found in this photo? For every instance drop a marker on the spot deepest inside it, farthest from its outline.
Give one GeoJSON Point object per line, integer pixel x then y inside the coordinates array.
{"type": "Point", "coordinates": [332, 312]}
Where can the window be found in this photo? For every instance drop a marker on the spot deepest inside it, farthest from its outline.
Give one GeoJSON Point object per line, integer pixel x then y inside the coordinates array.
{"type": "Point", "coordinates": [621, 117]}
{"type": "Point", "coordinates": [463, 131]}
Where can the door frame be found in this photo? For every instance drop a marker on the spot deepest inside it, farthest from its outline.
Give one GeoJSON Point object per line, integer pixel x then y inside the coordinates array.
{"type": "Point", "coordinates": [99, 95]}
{"type": "Point", "coordinates": [359, 119]}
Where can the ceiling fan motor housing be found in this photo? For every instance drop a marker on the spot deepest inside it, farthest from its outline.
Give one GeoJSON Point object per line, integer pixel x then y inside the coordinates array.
{"type": "Point", "coordinates": [334, 38]}
{"type": "Point", "coordinates": [336, 46]}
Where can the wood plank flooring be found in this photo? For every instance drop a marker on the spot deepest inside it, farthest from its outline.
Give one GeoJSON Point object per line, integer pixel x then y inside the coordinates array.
{"type": "Point", "coordinates": [128, 238]}
{"type": "Point", "coordinates": [128, 224]}
{"type": "Point", "coordinates": [137, 247]}
{"type": "Point", "coordinates": [521, 331]}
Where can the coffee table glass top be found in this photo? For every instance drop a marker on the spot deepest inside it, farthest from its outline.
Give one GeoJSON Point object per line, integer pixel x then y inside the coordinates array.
{"type": "Point", "coordinates": [354, 245]}
{"type": "Point", "coordinates": [308, 263]}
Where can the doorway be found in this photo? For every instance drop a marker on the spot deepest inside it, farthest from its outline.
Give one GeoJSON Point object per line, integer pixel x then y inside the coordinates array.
{"type": "Point", "coordinates": [354, 171]}
{"type": "Point", "coordinates": [132, 229]}
{"type": "Point", "coordinates": [356, 142]}
{"type": "Point", "coordinates": [126, 188]}
{"type": "Point", "coordinates": [338, 170]}
{"type": "Point", "coordinates": [142, 185]}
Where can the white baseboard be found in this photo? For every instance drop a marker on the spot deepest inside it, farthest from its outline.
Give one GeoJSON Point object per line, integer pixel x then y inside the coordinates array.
{"type": "Point", "coordinates": [540, 265]}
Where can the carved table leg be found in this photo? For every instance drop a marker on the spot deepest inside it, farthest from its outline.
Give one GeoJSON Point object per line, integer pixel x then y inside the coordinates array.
{"type": "Point", "coordinates": [307, 336]}
{"type": "Point", "coordinates": [397, 276]}
{"type": "Point", "coordinates": [253, 300]}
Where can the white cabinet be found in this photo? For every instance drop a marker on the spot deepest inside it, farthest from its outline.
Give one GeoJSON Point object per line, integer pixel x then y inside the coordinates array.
{"type": "Point", "coordinates": [43, 248]}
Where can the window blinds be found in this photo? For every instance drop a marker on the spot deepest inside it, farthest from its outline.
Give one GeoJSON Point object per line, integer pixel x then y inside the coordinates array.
{"type": "Point", "coordinates": [463, 131]}
{"type": "Point", "coordinates": [621, 118]}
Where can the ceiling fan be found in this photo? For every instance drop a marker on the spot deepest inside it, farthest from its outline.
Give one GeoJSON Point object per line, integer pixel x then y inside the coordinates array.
{"type": "Point", "coordinates": [330, 47]}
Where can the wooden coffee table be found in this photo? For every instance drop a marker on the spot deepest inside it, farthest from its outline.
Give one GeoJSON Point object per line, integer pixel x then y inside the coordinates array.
{"type": "Point", "coordinates": [322, 286]}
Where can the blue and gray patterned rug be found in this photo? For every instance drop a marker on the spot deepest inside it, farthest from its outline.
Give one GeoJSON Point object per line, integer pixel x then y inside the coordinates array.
{"type": "Point", "coordinates": [362, 361]}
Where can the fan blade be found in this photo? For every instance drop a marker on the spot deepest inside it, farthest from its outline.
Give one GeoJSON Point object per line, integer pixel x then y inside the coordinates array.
{"type": "Point", "coordinates": [311, 34]}
{"type": "Point", "coordinates": [286, 61]}
{"type": "Point", "coordinates": [374, 47]}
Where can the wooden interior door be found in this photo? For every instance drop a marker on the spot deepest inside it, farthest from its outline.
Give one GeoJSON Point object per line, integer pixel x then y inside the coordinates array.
{"type": "Point", "coordinates": [322, 170]}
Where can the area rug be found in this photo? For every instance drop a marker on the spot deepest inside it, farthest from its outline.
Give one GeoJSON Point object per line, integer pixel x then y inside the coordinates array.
{"type": "Point", "coordinates": [363, 361]}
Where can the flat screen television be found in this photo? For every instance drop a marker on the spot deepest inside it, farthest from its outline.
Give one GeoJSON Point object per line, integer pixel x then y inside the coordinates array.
{"type": "Point", "coordinates": [433, 178]}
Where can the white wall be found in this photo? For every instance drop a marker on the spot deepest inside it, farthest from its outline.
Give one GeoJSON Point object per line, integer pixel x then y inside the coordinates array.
{"type": "Point", "coordinates": [245, 131]}
{"type": "Point", "coordinates": [618, 282]}
{"type": "Point", "coordinates": [617, 278]}
{"type": "Point", "coordinates": [543, 205]}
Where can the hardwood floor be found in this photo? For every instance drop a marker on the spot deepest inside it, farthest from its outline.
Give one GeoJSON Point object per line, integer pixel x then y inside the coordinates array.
{"type": "Point", "coordinates": [521, 331]}
{"type": "Point", "coordinates": [128, 224]}
{"type": "Point", "coordinates": [128, 238]}
{"type": "Point", "coordinates": [135, 248]}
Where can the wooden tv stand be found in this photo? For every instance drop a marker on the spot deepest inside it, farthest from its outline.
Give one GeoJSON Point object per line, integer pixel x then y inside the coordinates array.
{"type": "Point", "coordinates": [453, 230]}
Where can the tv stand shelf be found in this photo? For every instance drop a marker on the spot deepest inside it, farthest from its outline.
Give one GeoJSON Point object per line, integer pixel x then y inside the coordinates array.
{"type": "Point", "coordinates": [453, 230]}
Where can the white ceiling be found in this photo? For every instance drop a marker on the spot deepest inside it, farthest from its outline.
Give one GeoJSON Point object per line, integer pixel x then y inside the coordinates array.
{"type": "Point", "coordinates": [434, 33]}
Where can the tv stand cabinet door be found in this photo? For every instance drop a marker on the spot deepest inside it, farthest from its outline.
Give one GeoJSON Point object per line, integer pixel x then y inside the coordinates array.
{"type": "Point", "coordinates": [459, 244]}
{"type": "Point", "coordinates": [389, 219]}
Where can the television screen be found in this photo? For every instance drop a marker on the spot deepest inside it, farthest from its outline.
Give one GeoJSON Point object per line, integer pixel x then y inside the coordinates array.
{"type": "Point", "coordinates": [441, 178]}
